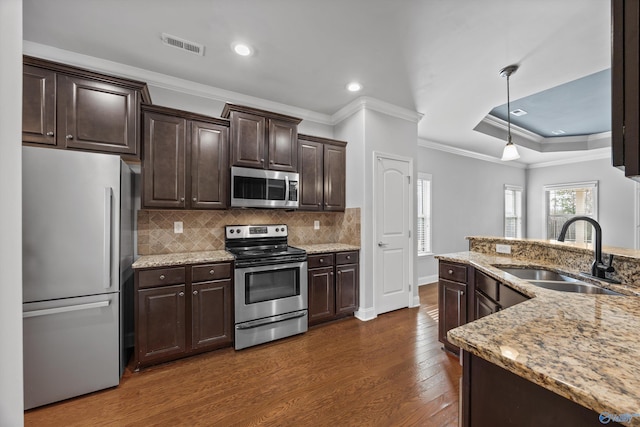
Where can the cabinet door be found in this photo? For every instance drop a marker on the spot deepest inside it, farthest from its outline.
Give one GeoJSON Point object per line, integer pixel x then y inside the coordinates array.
{"type": "Point", "coordinates": [283, 146]}
{"type": "Point", "coordinates": [247, 140]}
{"type": "Point", "coordinates": [164, 161]}
{"type": "Point", "coordinates": [484, 306]}
{"type": "Point", "coordinates": [452, 309]}
{"type": "Point", "coordinates": [97, 116]}
{"type": "Point", "coordinates": [38, 105]}
{"type": "Point", "coordinates": [209, 165]}
{"type": "Point", "coordinates": [321, 294]}
{"type": "Point", "coordinates": [211, 314]}
{"type": "Point", "coordinates": [334, 177]}
{"type": "Point", "coordinates": [161, 328]}
{"type": "Point", "coordinates": [310, 160]}
{"type": "Point", "coordinates": [347, 281]}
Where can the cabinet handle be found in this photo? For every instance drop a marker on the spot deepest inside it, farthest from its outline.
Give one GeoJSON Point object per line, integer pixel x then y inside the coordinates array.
{"type": "Point", "coordinates": [321, 260]}
{"type": "Point", "coordinates": [181, 294]}
{"type": "Point", "coordinates": [461, 292]}
{"type": "Point", "coordinates": [348, 256]}
{"type": "Point", "coordinates": [450, 271]}
{"type": "Point", "coordinates": [211, 271]}
{"type": "Point", "coordinates": [182, 199]}
{"type": "Point", "coordinates": [162, 277]}
{"type": "Point", "coordinates": [195, 292]}
{"type": "Point", "coordinates": [331, 274]}
{"type": "Point", "coordinates": [339, 273]}
{"type": "Point", "coordinates": [319, 204]}
{"type": "Point", "coordinates": [49, 133]}
{"type": "Point", "coordinates": [195, 199]}
{"type": "Point", "coordinates": [69, 136]}
{"type": "Point", "coordinates": [261, 160]}
{"type": "Point", "coordinates": [272, 162]}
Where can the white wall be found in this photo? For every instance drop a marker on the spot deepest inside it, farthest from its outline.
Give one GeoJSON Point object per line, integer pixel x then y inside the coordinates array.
{"type": "Point", "coordinates": [616, 198]}
{"type": "Point", "coordinates": [467, 200]}
{"type": "Point", "coordinates": [368, 131]}
{"type": "Point", "coordinates": [11, 384]}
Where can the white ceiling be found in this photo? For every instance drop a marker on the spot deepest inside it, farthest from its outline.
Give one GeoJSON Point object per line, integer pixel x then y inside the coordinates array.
{"type": "Point", "coordinates": [438, 57]}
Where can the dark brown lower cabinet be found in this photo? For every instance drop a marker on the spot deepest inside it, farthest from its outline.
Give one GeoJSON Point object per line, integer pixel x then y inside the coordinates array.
{"type": "Point", "coordinates": [333, 286]}
{"type": "Point", "coordinates": [466, 294]}
{"type": "Point", "coordinates": [492, 396]}
{"type": "Point", "coordinates": [452, 310]}
{"type": "Point", "coordinates": [182, 310]}
{"type": "Point", "coordinates": [161, 322]}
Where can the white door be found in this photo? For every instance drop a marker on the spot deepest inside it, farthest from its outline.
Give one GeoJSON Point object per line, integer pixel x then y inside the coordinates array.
{"type": "Point", "coordinates": [393, 224]}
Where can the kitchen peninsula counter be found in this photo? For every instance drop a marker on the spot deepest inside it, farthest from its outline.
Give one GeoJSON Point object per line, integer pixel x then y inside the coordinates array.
{"type": "Point", "coordinates": [582, 347]}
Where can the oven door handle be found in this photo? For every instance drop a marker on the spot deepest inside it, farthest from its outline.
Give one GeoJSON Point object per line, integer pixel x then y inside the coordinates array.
{"type": "Point", "coordinates": [266, 321]}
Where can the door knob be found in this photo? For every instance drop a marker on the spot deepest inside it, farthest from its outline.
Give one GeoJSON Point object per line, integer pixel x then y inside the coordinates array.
{"type": "Point", "coordinates": [382, 244]}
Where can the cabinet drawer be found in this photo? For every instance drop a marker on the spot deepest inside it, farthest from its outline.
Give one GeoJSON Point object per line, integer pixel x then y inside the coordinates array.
{"type": "Point", "coordinates": [509, 297]}
{"type": "Point", "coordinates": [322, 260]}
{"type": "Point", "coordinates": [347, 257]}
{"type": "Point", "coordinates": [206, 272]}
{"type": "Point", "coordinates": [455, 272]}
{"type": "Point", "coordinates": [487, 285]}
{"type": "Point", "coordinates": [161, 277]}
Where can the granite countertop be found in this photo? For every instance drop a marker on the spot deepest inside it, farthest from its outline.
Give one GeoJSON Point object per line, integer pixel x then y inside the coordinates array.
{"type": "Point", "coordinates": [165, 260]}
{"type": "Point", "coordinates": [327, 247]}
{"type": "Point", "coordinates": [582, 347]}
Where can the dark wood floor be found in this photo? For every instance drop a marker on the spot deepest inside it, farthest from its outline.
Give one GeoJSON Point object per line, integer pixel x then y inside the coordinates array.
{"type": "Point", "coordinates": [390, 371]}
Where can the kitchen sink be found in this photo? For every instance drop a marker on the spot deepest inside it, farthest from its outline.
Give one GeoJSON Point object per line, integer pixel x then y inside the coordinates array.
{"type": "Point", "coordinates": [538, 274]}
{"type": "Point", "coordinates": [555, 281]}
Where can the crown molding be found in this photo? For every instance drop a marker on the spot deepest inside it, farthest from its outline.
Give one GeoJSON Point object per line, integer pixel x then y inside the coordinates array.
{"type": "Point", "coordinates": [466, 153]}
{"type": "Point", "coordinates": [366, 102]}
{"type": "Point", "coordinates": [165, 81]}
{"type": "Point", "coordinates": [595, 154]}
{"type": "Point", "coordinates": [496, 127]}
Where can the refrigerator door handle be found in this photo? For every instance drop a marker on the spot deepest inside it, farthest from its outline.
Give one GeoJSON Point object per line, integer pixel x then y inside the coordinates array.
{"type": "Point", "coordinates": [106, 251]}
{"type": "Point", "coordinates": [66, 309]}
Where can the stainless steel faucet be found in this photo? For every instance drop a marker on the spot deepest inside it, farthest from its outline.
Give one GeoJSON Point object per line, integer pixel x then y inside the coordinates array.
{"type": "Point", "coordinates": [598, 268]}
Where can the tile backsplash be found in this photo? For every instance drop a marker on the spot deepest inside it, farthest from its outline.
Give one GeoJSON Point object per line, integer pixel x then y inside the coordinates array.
{"type": "Point", "coordinates": [204, 230]}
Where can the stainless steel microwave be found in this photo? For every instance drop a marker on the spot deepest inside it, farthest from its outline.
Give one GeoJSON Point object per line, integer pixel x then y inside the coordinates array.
{"type": "Point", "coordinates": [261, 188]}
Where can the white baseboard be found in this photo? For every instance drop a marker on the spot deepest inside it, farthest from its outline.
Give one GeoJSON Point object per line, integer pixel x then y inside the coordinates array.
{"type": "Point", "coordinates": [416, 301]}
{"type": "Point", "coordinates": [425, 280]}
{"type": "Point", "coordinates": [366, 314]}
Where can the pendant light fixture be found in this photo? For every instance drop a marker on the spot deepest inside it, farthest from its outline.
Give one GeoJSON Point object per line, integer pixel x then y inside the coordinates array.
{"type": "Point", "coordinates": [510, 151]}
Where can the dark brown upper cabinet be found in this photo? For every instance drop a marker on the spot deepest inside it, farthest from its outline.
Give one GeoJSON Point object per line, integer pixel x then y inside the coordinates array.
{"type": "Point", "coordinates": [262, 139]}
{"type": "Point", "coordinates": [186, 160]}
{"type": "Point", "coordinates": [71, 108]}
{"type": "Point", "coordinates": [625, 87]}
{"type": "Point", "coordinates": [322, 168]}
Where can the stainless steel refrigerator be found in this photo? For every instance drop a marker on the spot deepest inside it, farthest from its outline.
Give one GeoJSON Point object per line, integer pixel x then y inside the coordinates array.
{"type": "Point", "coordinates": [77, 256]}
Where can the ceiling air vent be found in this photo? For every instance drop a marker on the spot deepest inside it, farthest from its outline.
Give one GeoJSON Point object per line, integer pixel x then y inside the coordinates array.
{"type": "Point", "coordinates": [183, 44]}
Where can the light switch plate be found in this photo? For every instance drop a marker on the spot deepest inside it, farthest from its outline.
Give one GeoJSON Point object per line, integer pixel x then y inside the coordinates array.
{"type": "Point", "coordinates": [177, 227]}
{"type": "Point", "coordinates": [503, 249]}
{"type": "Point", "coordinates": [316, 225]}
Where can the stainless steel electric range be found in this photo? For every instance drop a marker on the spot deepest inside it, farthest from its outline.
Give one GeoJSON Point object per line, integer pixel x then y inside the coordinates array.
{"type": "Point", "coordinates": [270, 284]}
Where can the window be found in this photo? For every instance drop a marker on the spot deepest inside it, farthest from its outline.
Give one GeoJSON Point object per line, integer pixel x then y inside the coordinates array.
{"type": "Point", "coordinates": [564, 201]}
{"type": "Point", "coordinates": [512, 211]}
{"type": "Point", "coordinates": [424, 213]}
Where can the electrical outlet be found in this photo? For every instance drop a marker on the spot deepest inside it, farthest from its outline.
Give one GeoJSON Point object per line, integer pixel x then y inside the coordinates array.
{"type": "Point", "coordinates": [177, 227]}
{"type": "Point", "coordinates": [503, 249]}
{"type": "Point", "coordinates": [316, 225]}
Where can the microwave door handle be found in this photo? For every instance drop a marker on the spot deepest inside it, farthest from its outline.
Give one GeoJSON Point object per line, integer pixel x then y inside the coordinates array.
{"type": "Point", "coordinates": [286, 191]}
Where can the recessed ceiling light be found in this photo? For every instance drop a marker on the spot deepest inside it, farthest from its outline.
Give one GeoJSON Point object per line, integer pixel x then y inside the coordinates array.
{"type": "Point", "coordinates": [354, 87]}
{"type": "Point", "coordinates": [242, 49]}
{"type": "Point", "coordinates": [518, 112]}
{"type": "Point", "coordinates": [558, 132]}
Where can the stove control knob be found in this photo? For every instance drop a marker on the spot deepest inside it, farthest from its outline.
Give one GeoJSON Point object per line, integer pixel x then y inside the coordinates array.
{"type": "Point", "coordinates": [231, 231]}
{"type": "Point", "coordinates": [238, 230]}
{"type": "Point", "coordinates": [277, 229]}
